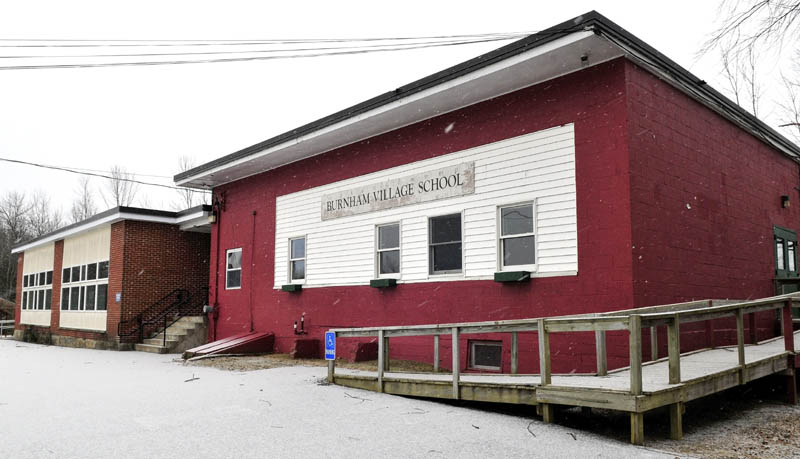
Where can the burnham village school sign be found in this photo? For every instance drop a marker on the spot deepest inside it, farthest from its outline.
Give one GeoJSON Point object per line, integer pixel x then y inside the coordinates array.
{"type": "Point", "coordinates": [447, 182]}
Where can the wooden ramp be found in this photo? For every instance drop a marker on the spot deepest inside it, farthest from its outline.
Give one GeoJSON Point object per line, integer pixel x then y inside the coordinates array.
{"type": "Point", "coordinates": [638, 388]}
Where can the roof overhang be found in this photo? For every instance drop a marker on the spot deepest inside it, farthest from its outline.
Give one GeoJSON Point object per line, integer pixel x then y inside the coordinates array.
{"type": "Point", "coordinates": [194, 219]}
{"type": "Point", "coordinates": [569, 47]}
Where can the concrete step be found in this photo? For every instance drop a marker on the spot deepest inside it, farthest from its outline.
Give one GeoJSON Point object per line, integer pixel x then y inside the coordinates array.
{"type": "Point", "coordinates": [150, 348]}
{"type": "Point", "coordinates": [160, 341]}
{"type": "Point", "coordinates": [193, 319]}
{"type": "Point", "coordinates": [170, 336]}
{"type": "Point", "coordinates": [178, 331]}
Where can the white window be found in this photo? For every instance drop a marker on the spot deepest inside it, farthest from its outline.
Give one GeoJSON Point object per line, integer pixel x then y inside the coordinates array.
{"type": "Point", "coordinates": [517, 242]}
{"type": "Point", "coordinates": [85, 287]}
{"type": "Point", "coordinates": [387, 254]}
{"type": "Point", "coordinates": [297, 260]}
{"type": "Point", "coordinates": [233, 269]}
{"type": "Point", "coordinates": [37, 291]}
{"type": "Point", "coordinates": [444, 249]}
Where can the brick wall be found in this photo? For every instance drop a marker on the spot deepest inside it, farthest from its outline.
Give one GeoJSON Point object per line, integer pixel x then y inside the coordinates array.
{"type": "Point", "coordinates": [58, 264]}
{"type": "Point", "coordinates": [593, 99]}
{"type": "Point", "coordinates": [704, 197]}
{"type": "Point", "coordinates": [159, 258]}
{"type": "Point", "coordinates": [18, 304]}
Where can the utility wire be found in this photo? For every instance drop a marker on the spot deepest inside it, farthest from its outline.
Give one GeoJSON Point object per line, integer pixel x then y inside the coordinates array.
{"type": "Point", "coordinates": [236, 59]}
{"type": "Point", "coordinates": [70, 43]}
{"type": "Point", "coordinates": [383, 46]}
{"type": "Point", "coordinates": [122, 179]}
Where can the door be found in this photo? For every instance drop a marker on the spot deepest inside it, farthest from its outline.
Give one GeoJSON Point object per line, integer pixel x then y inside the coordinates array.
{"type": "Point", "coordinates": [786, 274]}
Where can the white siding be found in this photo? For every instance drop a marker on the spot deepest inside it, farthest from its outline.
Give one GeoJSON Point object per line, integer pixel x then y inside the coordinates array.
{"type": "Point", "coordinates": [35, 317]}
{"type": "Point", "coordinates": [38, 259]}
{"type": "Point", "coordinates": [536, 167]}
{"type": "Point", "coordinates": [88, 247]}
{"type": "Point", "coordinates": [83, 320]}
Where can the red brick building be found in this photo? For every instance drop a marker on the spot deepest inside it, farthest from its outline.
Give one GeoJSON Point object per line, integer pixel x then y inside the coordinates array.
{"type": "Point", "coordinates": [110, 281]}
{"type": "Point", "coordinates": [576, 170]}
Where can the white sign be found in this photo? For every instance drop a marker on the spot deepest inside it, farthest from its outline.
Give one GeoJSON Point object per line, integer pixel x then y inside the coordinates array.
{"type": "Point", "coordinates": [447, 182]}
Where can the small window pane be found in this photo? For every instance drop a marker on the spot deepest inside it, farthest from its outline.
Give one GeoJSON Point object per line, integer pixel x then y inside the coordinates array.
{"type": "Point", "coordinates": [446, 229]}
{"type": "Point", "coordinates": [48, 299]}
{"type": "Point", "coordinates": [25, 280]}
{"type": "Point", "coordinates": [24, 300]}
{"type": "Point", "coordinates": [102, 297]}
{"type": "Point", "coordinates": [235, 259]}
{"type": "Point", "coordinates": [517, 220]}
{"type": "Point", "coordinates": [299, 269]}
{"type": "Point", "coordinates": [519, 251]}
{"type": "Point", "coordinates": [298, 249]}
{"type": "Point", "coordinates": [83, 295]}
{"type": "Point", "coordinates": [390, 262]}
{"type": "Point", "coordinates": [49, 277]}
{"type": "Point", "coordinates": [74, 296]}
{"type": "Point", "coordinates": [76, 273]}
{"type": "Point", "coordinates": [234, 279]}
{"type": "Point", "coordinates": [388, 236]}
{"type": "Point", "coordinates": [65, 276]}
{"type": "Point", "coordinates": [446, 257]}
{"type": "Point", "coordinates": [102, 270]}
{"type": "Point", "coordinates": [486, 355]}
{"type": "Point", "coordinates": [90, 298]}
{"type": "Point", "coordinates": [41, 279]}
{"type": "Point", "coordinates": [64, 299]}
{"type": "Point", "coordinates": [790, 255]}
{"type": "Point", "coordinates": [83, 272]}
{"type": "Point", "coordinates": [40, 300]}
{"type": "Point", "coordinates": [91, 271]}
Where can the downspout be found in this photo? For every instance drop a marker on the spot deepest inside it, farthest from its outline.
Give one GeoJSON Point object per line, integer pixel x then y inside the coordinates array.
{"type": "Point", "coordinates": [252, 266]}
{"type": "Point", "coordinates": [216, 208]}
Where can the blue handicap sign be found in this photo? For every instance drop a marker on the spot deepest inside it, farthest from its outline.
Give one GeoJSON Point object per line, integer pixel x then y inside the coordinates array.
{"type": "Point", "coordinates": [330, 346]}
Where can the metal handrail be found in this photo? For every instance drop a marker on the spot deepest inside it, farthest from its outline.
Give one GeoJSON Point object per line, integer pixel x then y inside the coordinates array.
{"type": "Point", "coordinates": [169, 303]}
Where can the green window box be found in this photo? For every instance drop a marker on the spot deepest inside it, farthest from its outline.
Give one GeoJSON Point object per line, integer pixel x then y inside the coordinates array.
{"type": "Point", "coordinates": [292, 288]}
{"type": "Point", "coordinates": [382, 283]}
{"type": "Point", "coordinates": [512, 276]}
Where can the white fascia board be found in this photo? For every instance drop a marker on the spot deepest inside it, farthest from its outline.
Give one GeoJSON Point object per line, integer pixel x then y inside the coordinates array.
{"type": "Point", "coordinates": [119, 216]}
{"type": "Point", "coordinates": [480, 73]}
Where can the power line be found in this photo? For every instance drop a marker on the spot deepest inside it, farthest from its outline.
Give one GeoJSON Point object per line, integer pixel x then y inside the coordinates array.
{"type": "Point", "coordinates": [59, 42]}
{"type": "Point", "coordinates": [237, 59]}
{"type": "Point", "coordinates": [384, 46]}
{"type": "Point", "coordinates": [73, 171]}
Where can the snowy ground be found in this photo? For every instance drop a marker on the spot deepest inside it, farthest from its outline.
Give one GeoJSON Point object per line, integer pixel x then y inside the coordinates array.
{"type": "Point", "coordinates": [78, 403]}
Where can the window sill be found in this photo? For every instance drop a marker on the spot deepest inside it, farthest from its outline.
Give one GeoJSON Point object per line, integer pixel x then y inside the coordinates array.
{"type": "Point", "coordinates": [292, 288]}
{"type": "Point", "coordinates": [385, 282]}
{"type": "Point", "coordinates": [512, 276]}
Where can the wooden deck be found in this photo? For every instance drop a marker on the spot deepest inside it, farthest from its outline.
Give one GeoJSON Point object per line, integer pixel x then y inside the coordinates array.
{"type": "Point", "coordinates": [671, 381]}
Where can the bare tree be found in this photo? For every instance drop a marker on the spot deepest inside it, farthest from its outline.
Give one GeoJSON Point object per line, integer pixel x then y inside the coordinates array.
{"type": "Point", "coordinates": [14, 210]}
{"type": "Point", "coordinates": [187, 196]}
{"type": "Point", "coordinates": [42, 218]}
{"type": "Point", "coordinates": [748, 31]}
{"type": "Point", "coordinates": [120, 189]}
{"type": "Point", "coordinates": [83, 206]}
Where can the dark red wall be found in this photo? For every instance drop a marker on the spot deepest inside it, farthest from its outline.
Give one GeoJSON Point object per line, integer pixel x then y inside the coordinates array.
{"type": "Point", "coordinates": [593, 99]}
{"type": "Point", "coordinates": [704, 197]}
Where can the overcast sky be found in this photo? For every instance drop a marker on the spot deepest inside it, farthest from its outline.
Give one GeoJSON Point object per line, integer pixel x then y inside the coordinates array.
{"type": "Point", "coordinates": [144, 118]}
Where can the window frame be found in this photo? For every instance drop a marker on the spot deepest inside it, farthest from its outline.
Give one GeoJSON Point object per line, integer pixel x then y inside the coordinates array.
{"type": "Point", "coordinates": [83, 282]}
{"type": "Point", "coordinates": [471, 349]}
{"type": "Point", "coordinates": [785, 236]}
{"type": "Point", "coordinates": [35, 294]}
{"type": "Point", "coordinates": [451, 272]}
{"type": "Point", "coordinates": [227, 270]}
{"type": "Point", "coordinates": [291, 260]}
{"type": "Point", "coordinates": [399, 250]}
{"type": "Point", "coordinates": [501, 266]}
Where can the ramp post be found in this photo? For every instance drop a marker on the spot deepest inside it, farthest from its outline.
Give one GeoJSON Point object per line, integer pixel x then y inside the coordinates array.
{"type": "Point", "coordinates": [635, 348]}
{"type": "Point", "coordinates": [740, 344]}
{"type": "Point", "coordinates": [456, 364]}
{"type": "Point", "coordinates": [788, 342]}
{"type": "Point", "coordinates": [600, 350]}
{"type": "Point", "coordinates": [381, 357]}
{"type": "Point", "coordinates": [674, 349]}
{"type": "Point", "coordinates": [514, 353]}
{"type": "Point", "coordinates": [435, 353]}
{"type": "Point", "coordinates": [653, 343]}
{"type": "Point", "coordinates": [676, 421]}
{"type": "Point", "coordinates": [637, 428]}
